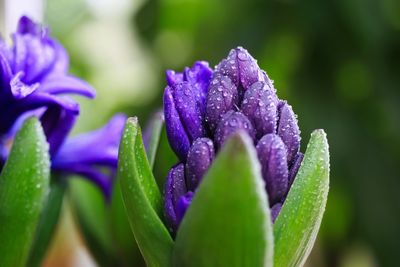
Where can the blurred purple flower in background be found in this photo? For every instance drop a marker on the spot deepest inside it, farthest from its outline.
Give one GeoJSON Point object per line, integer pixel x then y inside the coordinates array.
{"type": "Point", "coordinates": [86, 154]}
{"type": "Point", "coordinates": [239, 96]}
{"type": "Point", "coordinates": [34, 80]}
{"type": "Point", "coordinates": [34, 75]}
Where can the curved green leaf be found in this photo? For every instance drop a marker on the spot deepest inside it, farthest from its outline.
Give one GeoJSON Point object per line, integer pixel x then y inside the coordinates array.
{"type": "Point", "coordinates": [142, 198]}
{"type": "Point", "coordinates": [90, 212]}
{"type": "Point", "coordinates": [228, 222]}
{"type": "Point", "coordinates": [297, 225]}
{"type": "Point", "coordinates": [47, 222]}
{"type": "Point", "coordinates": [165, 159]}
{"type": "Point", "coordinates": [124, 241]}
{"type": "Point", "coordinates": [24, 185]}
{"type": "Point", "coordinates": [155, 127]}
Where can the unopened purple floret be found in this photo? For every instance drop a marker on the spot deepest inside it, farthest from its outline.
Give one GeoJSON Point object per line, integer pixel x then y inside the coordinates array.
{"type": "Point", "coordinates": [184, 106]}
{"type": "Point", "coordinates": [241, 68]}
{"type": "Point", "coordinates": [260, 107]}
{"type": "Point", "coordinates": [199, 159]}
{"type": "Point", "coordinates": [294, 168]}
{"type": "Point", "coordinates": [222, 97]}
{"type": "Point", "coordinates": [288, 130]}
{"type": "Point", "coordinates": [272, 156]}
{"type": "Point", "coordinates": [175, 188]}
{"type": "Point", "coordinates": [230, 123]}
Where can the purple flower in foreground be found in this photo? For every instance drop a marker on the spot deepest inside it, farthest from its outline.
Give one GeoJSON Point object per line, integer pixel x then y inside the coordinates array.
{"type": "Point", "coordinates": [239, 97]}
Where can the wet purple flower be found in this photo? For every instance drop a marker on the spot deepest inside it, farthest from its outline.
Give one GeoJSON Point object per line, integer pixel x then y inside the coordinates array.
{"type": "Point", "coordinates": [184, 106]}
{"type": "Point", "coordinates": [89, 154]}
{"type": "Point", "coordinates": [240, 97]}
{"type": "Point", "coordinates": [272, 156]}
{"type": "Point", "coordinates": [260, 106]}
{"type": "Point", "coordinates": [241, 68]}
{"type": "Point", "coordinates": [199, 159]}
{"type": "Point", "coordinates": [175, 188]}
{"type": "Point", "coordinates": [229, 124]}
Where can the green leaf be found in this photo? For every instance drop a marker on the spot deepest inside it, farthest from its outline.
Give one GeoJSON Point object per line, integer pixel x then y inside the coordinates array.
{"type": "Point", "coordinates": [165, 159]}
{"type": "Point", "coordinates": [297, 225]}
{"type": "Point", "coordinates": [48, 221]}
{"type": "Point", "coordinates": [24, 185]}
{"type": "Point", "coordinates": [90, 212]}
{"type": "Point", "coordinates": [155, 127]}
{"type": "Point", "coordinates": [126, 247]}
{"type": "Point", "coordinates": [142, 198]}
{"type": "Point", "coordinates": [228, 222]}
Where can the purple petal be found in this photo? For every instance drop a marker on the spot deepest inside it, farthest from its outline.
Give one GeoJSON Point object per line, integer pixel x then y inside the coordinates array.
{"type": "Point", "coordinates": [27, 26]}
{"type": "Point", "coordinates": [199, 159]}
{"type": "Point", "coordinates": [19, 89]}
{"type": "Point", "coordinates": [199, 76]}
{"type": "Point", "coordinates": [99, 147]}
{"type": "Point", "coordinates": [39, 56]}
{"type": "Point", "coordinates": [288, 130]}
{"type": "Point", "coordinates": [260, 106]}
{"type": "Point", "coordinates": [272, 156]}
{"type": "Point", "coordinates": [275, 211]}
{"type": "Point", "coordinates": [62, 84]}
{"type": "Point", "coordinates": [295, 167]}
{"type": "Point", "coordinates": [182, 205]}
{"type": "Point", "coordinates": [103, 181]}
{"type": "Point", "coordinates": [5, 71]}
{"type": "Point", "coordinates": [174, 188]}
{"type": "Point", "coordinates": [61, 60]}
{"type": "Point", "coordinates": [40, 99]}
{"type": "Point", "coordinates": [249, 71]}
{"type": "Point", "coordinates": [57, 123]}
{"type": "Point", "coordinates": [231, 123]}
{"type": "Point", "coordinates": [241, 68]}
{"type": "Point", "coordinates": [173, 78]}
{"type": "Point", "coordinates": [177, 137]}
{"type": "Point", "coordinates": [221, 98]}
{"type": "Point", "coordinates": [185, 97]}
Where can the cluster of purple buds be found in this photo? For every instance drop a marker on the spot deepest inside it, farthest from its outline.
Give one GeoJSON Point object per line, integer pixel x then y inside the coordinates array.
{"type": "Point", "coordinates": [34, 80]}
{"type": "Point", "coordinates": [203, 108]}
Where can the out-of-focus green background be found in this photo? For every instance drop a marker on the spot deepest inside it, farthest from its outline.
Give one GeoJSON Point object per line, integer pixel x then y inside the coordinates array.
{"type": "Point", "coordinates": [336, 62]}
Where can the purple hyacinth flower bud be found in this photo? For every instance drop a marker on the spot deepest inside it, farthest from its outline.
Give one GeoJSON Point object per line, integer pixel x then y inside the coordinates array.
{"type": "Point", "coordinates": [232, 122]}
{"type": "Point", "coordinates": [288, 130]}
{"type": "Point", "coordinates": [275, 211]}
{"type": "Point", "coordinates": [199, 159]}
{"type": "Point", "coordinates": [272, 156]}
{"type": "Point", "coordinates": [199, 76]}
{"type": "Point", "coordinates": [184, 106]}
{"type": "Point", "coordinates": [188, 110]}
{"type": "Point", "coordinates": [260, 106]}
{"type": "Point", "coordinates": [221, 98]}
{"type": "Point", "coordinates": [182, 205]}
{"type": "Point", "coordinates": [175, 188]}
{"type": "Point", "coordinates": [241, 68]}
{"type": "Point", "coordinates": [176, 133]}
{"type": "Point", "coordinates": [184, 122]}
{"type": "Point", "coordinates": [294, 168]}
